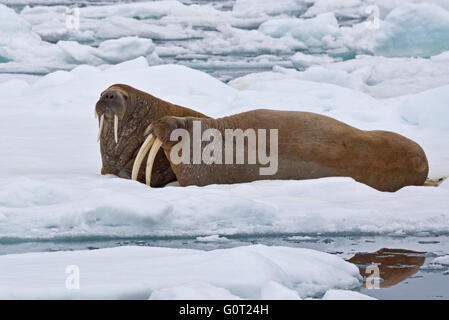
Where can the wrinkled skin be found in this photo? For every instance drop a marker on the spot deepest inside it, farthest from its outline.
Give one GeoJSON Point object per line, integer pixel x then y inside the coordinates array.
{"type": "Point", "coordinates": [310, 146]}
{"type": "Point", "coordinates": [135, 110]}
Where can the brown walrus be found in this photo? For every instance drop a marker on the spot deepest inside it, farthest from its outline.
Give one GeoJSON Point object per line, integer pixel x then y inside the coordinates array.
{"type": "Point", "coordinates": [124, 113]}
{"type": "Point", "coordinates": [309, 146]}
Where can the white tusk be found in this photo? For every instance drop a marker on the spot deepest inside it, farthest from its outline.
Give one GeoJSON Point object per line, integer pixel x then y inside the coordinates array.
{"type": "Point", "coordinates": [141, 155]}
{"type": "Point", "coordinates": [147, 130]}
{"type": "Point", "coordinates": [101, 127]}
{"type": "Point", "coordinates": [116, 128]}
{"type": "Point", "coordinates": [154, 149]}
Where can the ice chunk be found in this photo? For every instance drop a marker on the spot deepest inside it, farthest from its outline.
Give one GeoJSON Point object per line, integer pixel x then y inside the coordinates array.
{"type": "Point", "coordinates": [212, 238]}
{"type": "Point", "coordinates": [322, 6]}
{"type": "Point", "coordinates": [345, 295]}
{"type": "Point", "coordinates": [193, 291]}
{"type": "Point", "coordinates": [301, 60]}
{"type": "Point", "coordinates": [321, 30]}
{"type": "Point", "coordinates": [114, 51]}
{"type": "Point", "coordinates": [162, 273]}
{"type": "Point", "coordinates": [444, 260]}
{"type": "Point", "coordinates": [413, 30]}
{"type": "Point", "coordinates": [275, 291]}
{"type": "Point", "coordinates": [258, 7]}
{"type": "Point", "coordinates": [381, 77]}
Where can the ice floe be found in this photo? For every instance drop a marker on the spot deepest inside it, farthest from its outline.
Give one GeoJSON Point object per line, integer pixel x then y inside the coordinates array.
{"type": "Point", "coordinates": [251, 272]}
{"type": "Point", "coordinates": [51, 187]}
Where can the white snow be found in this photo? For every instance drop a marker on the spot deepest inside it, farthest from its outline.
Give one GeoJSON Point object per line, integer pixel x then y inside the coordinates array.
{"type": "Point", "coordinates": [250, 272]}
{"type": "Point", "coordinates": [380, 77]}
{"type": "Point", "coordinates": [315, 32]}
{"type": "Point", "coordinates": [345, 295]}
{"type": "Point", "coordinates": [444, 260]}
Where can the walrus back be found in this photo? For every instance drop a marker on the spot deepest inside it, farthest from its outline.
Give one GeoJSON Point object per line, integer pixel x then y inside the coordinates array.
{"type": "Point", "coordinates": [315, 146]}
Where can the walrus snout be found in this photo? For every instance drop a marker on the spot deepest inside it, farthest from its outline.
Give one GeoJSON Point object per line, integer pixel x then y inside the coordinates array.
{"type": "Point", "coordinates": [112, 102]}
{"type": "Point", "coordinates": [111, 106]}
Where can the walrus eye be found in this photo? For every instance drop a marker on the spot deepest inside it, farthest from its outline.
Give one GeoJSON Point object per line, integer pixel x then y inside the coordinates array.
{"type": "Point", "coordinates": [125, 96]}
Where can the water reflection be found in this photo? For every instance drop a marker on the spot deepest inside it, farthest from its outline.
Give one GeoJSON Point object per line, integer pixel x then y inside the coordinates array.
{"type": "Point", "coordinates": [395, 265]}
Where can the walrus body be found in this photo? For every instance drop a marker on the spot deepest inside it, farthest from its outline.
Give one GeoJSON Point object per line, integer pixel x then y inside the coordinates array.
{"type": "Point", "coordinates": [125, 113]}
{"type": "Point", "coordinates": [309, 146]}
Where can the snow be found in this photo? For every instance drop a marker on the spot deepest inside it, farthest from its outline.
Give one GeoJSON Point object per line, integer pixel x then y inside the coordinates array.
{"type": "Point", "coordinates": [162, 273]}
{"type": "Point", "coordinates": [51, 187]}
{"type": "Point", "coordinates": [444, 260]}
{"type": "Point", "coordinates": [345, 295]}
{"type": "Point", "coordinates": [314, 32]}
{"type": "Point", "coordinates": [22, 49]}
{"type": "Point", "coordinates": [380, 77]}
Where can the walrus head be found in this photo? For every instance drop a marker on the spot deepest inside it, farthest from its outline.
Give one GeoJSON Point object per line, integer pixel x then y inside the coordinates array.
{"type": "Point", "coordinates": [124, 114]}
{"type": "Point", "coordinates": [112, 106]}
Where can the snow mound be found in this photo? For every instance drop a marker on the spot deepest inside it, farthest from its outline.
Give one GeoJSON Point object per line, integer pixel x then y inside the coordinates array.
{"type": "Point", "coordinates": [345, 295]}
{"type": "Point", "coordinates": [381, 77]}
{"type": "Point", "coordinates": [444, 260]}
{"type": "Point", "coordinates": [162, 273]}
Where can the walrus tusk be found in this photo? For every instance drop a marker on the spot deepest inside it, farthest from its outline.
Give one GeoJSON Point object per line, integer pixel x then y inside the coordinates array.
{"type": "Point", "coordinates": [147, 130]}
{"type": "Point", "coordinates": [116, 128]}
{"type": "Point", "coordinates": [154, 149]}
{"type": "Point", "coordinates": [101, 127]}
{"type": "Point", "coordinates": [140, 155]}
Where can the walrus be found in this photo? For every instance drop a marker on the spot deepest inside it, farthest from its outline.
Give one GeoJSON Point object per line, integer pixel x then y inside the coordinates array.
{"type": "Point", "coordinates": [309, 146]}
{"type": "Point", "coordinates": [124, 113]}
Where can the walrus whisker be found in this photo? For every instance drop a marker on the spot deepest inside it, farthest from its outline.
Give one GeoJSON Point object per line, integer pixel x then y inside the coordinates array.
{"type": "Point", "coordinates": [101, 127]}
{"type": "Point", "coordinates": [116, 128]}
{"type": "Point", "coordinates": [153, 152]}
{"type": "Point", "coordinates": [141, 155]}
